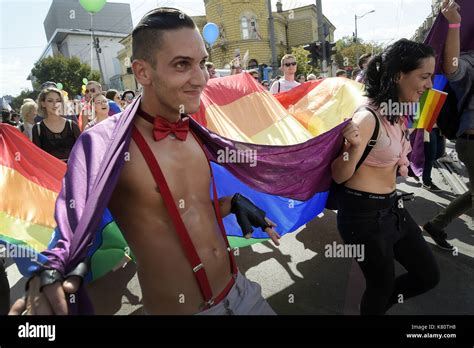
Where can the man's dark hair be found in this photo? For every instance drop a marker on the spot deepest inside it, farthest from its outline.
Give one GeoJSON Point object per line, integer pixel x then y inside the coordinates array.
{"type": "Point", "coordinates": [5, 115]}
{"type": "Point", "coordinates": [128, 91]}
{"type": "Point", "coordinates": [111, 93]}
{"type": "Point", "coordinates": [147, 35]}
{"type": "Point", "coordinates": [341, 72]}
{"type": "Point", "coordinates": [364, 59]}
{"type": "Point", "coordinates": [383, 70]}
{"type": "Point", "coordinates": [48, 84]}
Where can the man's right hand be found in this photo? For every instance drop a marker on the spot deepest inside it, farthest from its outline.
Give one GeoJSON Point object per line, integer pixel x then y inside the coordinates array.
{"type": "Point", "coordinates": [50, 301]}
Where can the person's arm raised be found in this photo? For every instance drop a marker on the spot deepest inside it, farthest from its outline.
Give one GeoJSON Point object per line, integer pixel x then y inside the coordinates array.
{"type": "Point", "coordinates": [450, 11]}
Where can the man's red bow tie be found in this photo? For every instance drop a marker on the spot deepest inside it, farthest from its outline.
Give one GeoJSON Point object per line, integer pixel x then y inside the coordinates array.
{"type": "Point", "coordinates": [162, 127]}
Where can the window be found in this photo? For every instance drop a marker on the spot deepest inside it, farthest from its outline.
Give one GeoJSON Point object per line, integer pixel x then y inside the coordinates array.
{"type": "Point", "coordinates": [249, 26]}
{"type": "Point", "coordinates": [244, 23]}
{"type": "Point", "coordinates": [253, 29]}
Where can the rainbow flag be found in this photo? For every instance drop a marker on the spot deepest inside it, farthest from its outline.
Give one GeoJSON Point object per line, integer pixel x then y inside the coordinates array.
{"type": "Point", "coordinates": [322, 105]}
{"type": "Point", "coordinates": [30, 180]}
{"type": "Point", "coordinates": [235, 106]}
{"type": "Point", "coordinates": [431, 104]}
{"type": "Point", "coordinates": [239, 108]}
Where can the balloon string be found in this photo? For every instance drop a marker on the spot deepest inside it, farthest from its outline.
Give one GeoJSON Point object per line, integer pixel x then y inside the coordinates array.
{"type": "Point", "coordinates": [92, 41]}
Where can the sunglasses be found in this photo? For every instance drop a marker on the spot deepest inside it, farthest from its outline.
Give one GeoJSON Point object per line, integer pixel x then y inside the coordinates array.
{"type": "Point", "coordinates": [290, 64]}
{"type": "Point", "coordinates": [92, 90]}
{"type": "Point", "coordinates": [98, 102]}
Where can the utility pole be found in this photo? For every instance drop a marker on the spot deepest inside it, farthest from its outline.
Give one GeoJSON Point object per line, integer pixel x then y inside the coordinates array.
{"type": "Point", "coordinates": [272, 38]}
{"type": "Point", "coordinates": [97, 51]}
{"type": "Point", "coordinates": [321, 38]}
{"type": "Point", "coordinates": [356, 17]}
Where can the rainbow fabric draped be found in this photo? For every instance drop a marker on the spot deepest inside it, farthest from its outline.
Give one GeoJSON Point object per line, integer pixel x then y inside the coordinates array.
{"type": "Point", "coordinates": [30, 180]}
{"type": "Point", "coordinates": [322, 105]}
{"type": "Point", "coordinates": [289, 181]}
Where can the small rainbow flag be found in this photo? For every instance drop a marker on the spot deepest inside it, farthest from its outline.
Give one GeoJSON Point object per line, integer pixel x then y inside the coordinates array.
{"type": "Point", "coordinates": [431, 103]}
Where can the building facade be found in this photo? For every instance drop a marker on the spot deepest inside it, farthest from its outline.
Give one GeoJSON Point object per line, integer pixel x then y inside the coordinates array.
{"type": "Point", "coordinates": [68, 32]}
{"type": "Point", "coordinates": [244, 27]}
{"type": "Point", "coordinates": [422, 32]}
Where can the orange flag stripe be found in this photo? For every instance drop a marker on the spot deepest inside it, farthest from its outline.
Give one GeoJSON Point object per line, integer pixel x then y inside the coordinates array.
{"type": "Point", "coordinates": [15, 148]}
{"type": "Point", "coordinates": [36, 208]}
{"type": "Point", "coordinates": [219, 117]}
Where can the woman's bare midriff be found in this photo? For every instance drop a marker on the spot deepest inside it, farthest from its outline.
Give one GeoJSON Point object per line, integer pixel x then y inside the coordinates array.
{"type": "Point", "coordinates": [381, 180]}
{"type": "Point", "coordinates": [166, 278]}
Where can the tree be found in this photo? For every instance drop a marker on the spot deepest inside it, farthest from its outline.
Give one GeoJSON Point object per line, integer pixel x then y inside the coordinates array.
{"type": "Point", "coordinates": [68, 71]}
{"type": "Point", "coordinates": [17, 101]}
{"type": "Point", "coordinates": [347, 49]}
{"type": "Point", "coordinates": [302, 59]}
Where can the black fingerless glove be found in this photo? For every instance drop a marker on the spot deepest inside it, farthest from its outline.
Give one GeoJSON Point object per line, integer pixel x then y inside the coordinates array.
{"type": "Point", "coordinates": [247, 214]}
{"type": "Point", "coordinates": [80, 271]}
{"type": "Point", "coordinates": [51, 276]}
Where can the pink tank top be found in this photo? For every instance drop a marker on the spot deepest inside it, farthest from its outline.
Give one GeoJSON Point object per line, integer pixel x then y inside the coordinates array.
{"type": "Point", "coordinates": [392, 146]}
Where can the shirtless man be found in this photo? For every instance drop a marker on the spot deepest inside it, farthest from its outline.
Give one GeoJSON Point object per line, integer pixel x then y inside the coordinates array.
{"type": "Point", "coordinates": [169, 62]}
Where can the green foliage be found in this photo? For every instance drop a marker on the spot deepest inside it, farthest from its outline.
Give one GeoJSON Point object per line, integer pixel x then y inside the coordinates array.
{"type": "Point", "coordinates": [347, 50]}
{"type": "Point", "coordinates": [68, 71]}
{"type": "Point", "coordinates": [17, 102]}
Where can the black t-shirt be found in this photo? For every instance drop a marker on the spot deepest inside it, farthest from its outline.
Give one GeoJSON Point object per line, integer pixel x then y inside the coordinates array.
{"type": "Point", "coordinates": [57, 144]}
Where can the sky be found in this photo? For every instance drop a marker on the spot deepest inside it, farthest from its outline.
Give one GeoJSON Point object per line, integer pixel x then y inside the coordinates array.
{"type": "Point", "coordinates": [22, 37]}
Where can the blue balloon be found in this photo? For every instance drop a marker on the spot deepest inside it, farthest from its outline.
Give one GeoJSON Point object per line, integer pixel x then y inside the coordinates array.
{"type": "Point", "coordinates": [210, 32]}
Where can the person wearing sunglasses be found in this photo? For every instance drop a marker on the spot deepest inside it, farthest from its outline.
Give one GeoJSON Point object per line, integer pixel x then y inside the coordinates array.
{"type": "Point", "coordinates": [288, 66]}
{"type": "Point", "coordinates": [128, 96]}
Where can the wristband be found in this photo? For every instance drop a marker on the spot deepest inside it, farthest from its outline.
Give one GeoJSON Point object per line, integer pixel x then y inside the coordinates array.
{"type": "Point", "coordinates": [454, 26]}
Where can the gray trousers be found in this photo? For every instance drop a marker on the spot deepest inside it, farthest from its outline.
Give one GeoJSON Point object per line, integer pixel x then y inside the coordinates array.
{"type": "Point", "coordinates": [244, 298]}
{"type": "Point", "coordinates": [463, 203]}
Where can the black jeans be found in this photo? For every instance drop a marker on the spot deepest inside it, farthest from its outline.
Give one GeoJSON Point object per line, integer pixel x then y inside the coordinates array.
{"type": "Point", "coordinates": [4, 290]}
{"type": "Point", "coordinates": [433, 150]}
{"type": "Point", "coordinates": [387, 232]}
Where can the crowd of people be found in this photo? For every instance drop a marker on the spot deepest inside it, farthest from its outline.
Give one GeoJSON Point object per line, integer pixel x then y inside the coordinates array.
{"type": "Point", "coordinates": [53, 122]}
{"type": "Point", "coordinates": [370, 211]}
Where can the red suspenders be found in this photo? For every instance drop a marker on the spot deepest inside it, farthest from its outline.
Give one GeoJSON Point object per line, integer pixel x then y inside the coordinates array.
{"type": "Point", "coordinates": [186, 242]}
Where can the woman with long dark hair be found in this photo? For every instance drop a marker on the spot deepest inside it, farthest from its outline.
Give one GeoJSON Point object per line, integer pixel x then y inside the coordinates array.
{"type": "Point", "coordinates": [370, 212]}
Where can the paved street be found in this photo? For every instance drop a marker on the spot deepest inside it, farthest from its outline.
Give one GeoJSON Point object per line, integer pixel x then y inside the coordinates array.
{"type": "Point", "coordinates": [297, 278]}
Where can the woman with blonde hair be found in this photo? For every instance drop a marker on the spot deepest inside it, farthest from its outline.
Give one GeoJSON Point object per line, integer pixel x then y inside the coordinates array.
{"type": "Point", "coordinates": [54, 134]}
{"type": "Point", "coordinates": [28, 113]}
